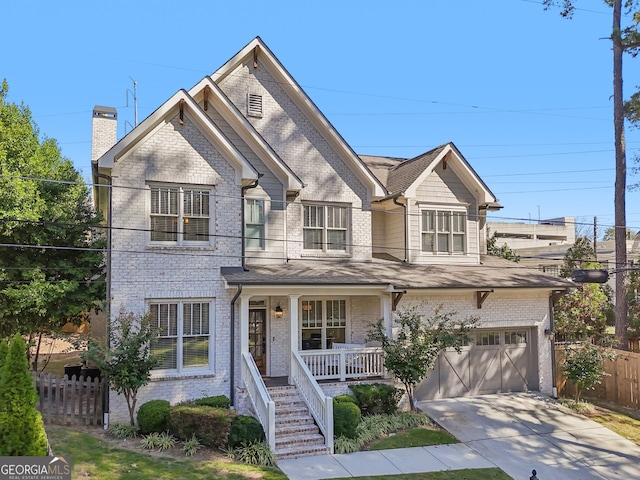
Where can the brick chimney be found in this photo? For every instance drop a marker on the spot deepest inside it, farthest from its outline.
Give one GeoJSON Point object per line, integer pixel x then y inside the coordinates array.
{"type": "Point", "coordinates": [104, 130]}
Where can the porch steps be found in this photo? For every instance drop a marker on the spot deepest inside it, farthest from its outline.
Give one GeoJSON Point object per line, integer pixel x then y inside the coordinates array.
{"type": "Point", "coordinates": [297, 435]}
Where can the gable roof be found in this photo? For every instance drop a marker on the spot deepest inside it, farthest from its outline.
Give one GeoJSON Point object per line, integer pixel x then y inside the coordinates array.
{"type": "Point", "coordinates": [261, 53]}
{"type": "Point", "coordinates": [244, 170]}
{"type": "Point", "coordinates": [403, 177]}
{"type": "Point", "coordinates": [225, 107]}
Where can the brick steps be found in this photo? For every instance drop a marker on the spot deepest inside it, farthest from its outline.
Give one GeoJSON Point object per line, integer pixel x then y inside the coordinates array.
{"type": "Point", "coordinates": [297, 434]}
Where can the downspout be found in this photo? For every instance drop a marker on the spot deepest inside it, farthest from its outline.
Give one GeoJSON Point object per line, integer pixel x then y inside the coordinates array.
{"type": "Point", "coordinates": [233, 349]}
{"type": "Point", "coordinates": [406, 233]}
{"type": "Point", "coordinates": [105, 400]}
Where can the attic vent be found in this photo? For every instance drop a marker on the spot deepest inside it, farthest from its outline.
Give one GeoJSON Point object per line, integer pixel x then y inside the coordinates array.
{"type": "Point", "coordinates": [254, 105]}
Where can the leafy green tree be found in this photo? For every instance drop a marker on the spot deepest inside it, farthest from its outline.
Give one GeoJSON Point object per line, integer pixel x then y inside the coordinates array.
{"type": "Point", "coordinates": [584, 365]}
{"type": "Point", "coordinates": [43, 203]}
{"type": "Point", "coordinates": [578, 257]}
{"type": "Point", "coordinates": [412, 352]}
{"type": "Point", "coordinates": [503, 252]}
{"type": "Point", "coordinates": [625, 38]}
{"type": "Point", "coordinates": [4, 349]}
{"type": "Point", "coordinates": [634, 303]}
{"type": "Point", "coordinates": [128, 360]}
{"type": "Point", "coordinates": [21, 428]}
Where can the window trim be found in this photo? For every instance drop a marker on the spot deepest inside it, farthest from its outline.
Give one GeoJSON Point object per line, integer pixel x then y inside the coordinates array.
{"type": "Point", "coordinates": [180, 241]}
{"type": "Point", "coordinates": [323, 328]}
{"type": "Point", "coordinates": [452, 211]}
{"type": "Point", "coordinates": [325, 229]}
{"type": "Point", "coordinates": [180, 369]}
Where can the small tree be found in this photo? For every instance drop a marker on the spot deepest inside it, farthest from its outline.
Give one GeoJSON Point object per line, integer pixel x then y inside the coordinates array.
{"type": "Point", "coordinates": [584, 365]}
{"type": "Point", "coordinates": [504, 251]}
{"type": "Point", "coordinates": [21, 428]}
{"type": "Point", "coordinates": [413, 351]}
{"type": "Point", "coordinates": [127, 360]}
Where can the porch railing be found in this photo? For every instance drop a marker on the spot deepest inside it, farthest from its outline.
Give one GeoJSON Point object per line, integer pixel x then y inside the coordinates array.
{"type": "Point", "coordinates": [319, 404]}
{"type": "Point", "coordinates": [344, 363]}
{"type": "Point", "coordinates": [264, 406]}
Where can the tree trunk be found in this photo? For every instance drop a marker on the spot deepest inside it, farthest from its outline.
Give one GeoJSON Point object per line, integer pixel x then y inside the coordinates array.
{"type": "Point", "coordinates": [621, 183]}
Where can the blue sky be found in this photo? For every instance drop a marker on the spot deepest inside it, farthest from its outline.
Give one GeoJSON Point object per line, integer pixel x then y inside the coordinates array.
{"type": "Point", "coordinates": [524, 94]}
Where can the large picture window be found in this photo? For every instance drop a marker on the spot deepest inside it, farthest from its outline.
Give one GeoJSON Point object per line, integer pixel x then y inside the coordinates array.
{"type": "Point", "coordinates": [323, 322]}
{"type": "Point", "coordinates": [183, 334]}
{"type": "Point", "coordinates": [180, 215]}
{"type": "Point", "coordinates": [443, 231]}
{"type": "Point", "coordinates": [254, 223]}
{"type": "Point", "coordinates": [325, 228]}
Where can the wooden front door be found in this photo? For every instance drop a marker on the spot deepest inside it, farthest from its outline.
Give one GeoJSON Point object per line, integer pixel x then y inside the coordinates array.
{"type": "Point", "coordinates": [258, 338]}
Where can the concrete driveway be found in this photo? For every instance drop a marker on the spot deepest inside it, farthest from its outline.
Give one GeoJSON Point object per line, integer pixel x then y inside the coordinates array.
{"type": "Point", "coordinates": [523, 431]}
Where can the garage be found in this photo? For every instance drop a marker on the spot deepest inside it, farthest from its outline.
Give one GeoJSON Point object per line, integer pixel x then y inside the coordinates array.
{"type": "Point", "coordinates": [497, 361]}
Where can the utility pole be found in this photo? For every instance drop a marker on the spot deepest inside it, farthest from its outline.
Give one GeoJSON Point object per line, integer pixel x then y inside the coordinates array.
{"type": "Point", "coordinates": [595, 238]}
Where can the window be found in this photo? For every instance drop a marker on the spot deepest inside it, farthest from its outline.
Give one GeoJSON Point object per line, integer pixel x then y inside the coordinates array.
{"type": "Point", "coordinates": [488, 338]}
{"type": "Point", "coordinates": [183, 339]}
{"type": "Point", "coordinates": [325, 228]}
{"type": "Point", "coordinates": [443, 231]}
{"type": "Point", "coordinates": [515, 338]}
{"type": "Point", "coordinates": [180, 215]}
{"type": "Point", "coordinates": [254, 219]}
{"type": "Point", "coordinates": [323, 322]}
{"type": "Point", "coordinates": [254, 105]}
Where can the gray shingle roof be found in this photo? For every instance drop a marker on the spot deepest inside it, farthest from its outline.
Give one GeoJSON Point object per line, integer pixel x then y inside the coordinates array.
{"type": "Point", "coordinates": [491, 273]}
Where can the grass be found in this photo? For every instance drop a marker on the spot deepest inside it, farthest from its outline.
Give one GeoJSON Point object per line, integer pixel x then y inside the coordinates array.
{"type": "Point", "coordinates": [95, 457]}
{"type": "Point", "coordinates": [415, 437]}
{"type": "Point", "coordinates": [618, 422]}
{"type": "Point", "coordinates": [476, 474]}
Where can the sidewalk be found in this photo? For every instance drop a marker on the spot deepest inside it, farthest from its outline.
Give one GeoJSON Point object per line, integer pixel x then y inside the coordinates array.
{"type": "Point", "coordinates": [384, 462]}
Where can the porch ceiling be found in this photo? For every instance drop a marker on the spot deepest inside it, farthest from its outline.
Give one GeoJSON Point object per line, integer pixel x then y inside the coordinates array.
{"type": "Point", "coordinates": [491, 273]}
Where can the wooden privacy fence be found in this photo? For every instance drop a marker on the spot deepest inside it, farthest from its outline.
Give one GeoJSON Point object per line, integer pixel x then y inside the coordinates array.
{"type": "Point", "coordinates": [621, 386]}
{"type": "Point", "coordinates": [70, 401]}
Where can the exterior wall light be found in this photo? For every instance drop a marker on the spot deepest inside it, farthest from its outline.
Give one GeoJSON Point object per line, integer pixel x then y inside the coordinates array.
{"type": "Point", "coordinates": [278, 311]}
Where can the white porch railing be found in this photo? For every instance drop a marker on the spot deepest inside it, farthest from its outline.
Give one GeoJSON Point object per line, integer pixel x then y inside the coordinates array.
{"type": "Point", "coordinates": [344, 363]}
{"type": "Point", "coordinates": [264, 406]}
{"type": "Point", "coordinates": [319, 404]}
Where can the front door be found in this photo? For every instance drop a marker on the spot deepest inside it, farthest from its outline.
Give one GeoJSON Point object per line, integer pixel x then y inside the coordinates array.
{"type": "Point", "coordinates": [258, 338]}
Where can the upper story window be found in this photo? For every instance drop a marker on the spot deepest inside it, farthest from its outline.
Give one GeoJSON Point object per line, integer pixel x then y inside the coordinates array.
{"type": "Point", "coordinates": [180, 215]}
{"type": "Point", "coordinates": [254, 223]}
{"type": "Point", "coordinates": [183, 334]}
{"type": "Point", "coordinates": [444, 231]}
{"type": "Point", "coordinates": [325, 228]}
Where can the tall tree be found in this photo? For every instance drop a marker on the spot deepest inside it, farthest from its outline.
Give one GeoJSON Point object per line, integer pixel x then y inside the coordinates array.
{"type": "Point", "coordinates": [50, 260]}
{"type": "Point", "coordinates": [625, 39]}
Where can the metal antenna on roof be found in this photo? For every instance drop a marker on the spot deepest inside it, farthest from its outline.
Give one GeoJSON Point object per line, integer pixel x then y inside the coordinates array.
{"type": "Point", "coordinates": [135, 101]}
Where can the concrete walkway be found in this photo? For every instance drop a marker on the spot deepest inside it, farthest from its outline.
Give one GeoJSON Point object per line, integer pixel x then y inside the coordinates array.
{"type": "Point", "coordinates": [514, 432]}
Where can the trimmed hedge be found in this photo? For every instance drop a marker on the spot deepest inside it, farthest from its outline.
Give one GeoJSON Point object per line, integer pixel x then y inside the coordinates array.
{"type": "Point", "coordinates": [376, 398]}
{"type": "Point", "coordinates": [211, 426]}
{"type": "Point", "coordinates": [153, 416]}
{"type": "Point", "coordinates": [245, 429]}
{"type": "Point", "coordinates": [346, 417]}
{"type": "Point", "coordinates": [219, 401]}
{"type": "Point", "coordinates": [345, 398]}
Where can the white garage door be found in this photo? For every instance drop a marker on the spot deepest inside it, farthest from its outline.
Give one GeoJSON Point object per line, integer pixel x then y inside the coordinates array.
{"type": "Point", "coordinates": [498, 361]}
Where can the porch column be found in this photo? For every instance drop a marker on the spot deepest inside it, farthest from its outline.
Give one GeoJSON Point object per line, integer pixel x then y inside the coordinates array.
{"type": "Point", "coordinates": [244, 324]}
{"type": "Point", "coordinates": [293, 328]}
{"type": "Point", "coordinates": [385, 308]}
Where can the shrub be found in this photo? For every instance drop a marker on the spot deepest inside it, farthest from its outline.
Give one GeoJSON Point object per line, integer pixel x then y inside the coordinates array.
{"type": "Point", "coordinates": [219, 401]}
{"type": "Point", "coordinates": [345, 398]}
{"type": "Point", "coordinates": [21, 428]}
{"type": "Point", "coordinates": [153, 416]}
{"type": "Point", "coordinates": [376, 398]}
{"type": "Point", "coordinates": [346, 416]}
{"type": "Point", "coordinates": [257, 453]}
{"type": "Point", "coordinates": [342, 444]}
{"type": "Point", "coordinates": [158, 441]}
{"type": "Point", "coordinates": [245, 429]}
{"type": "Point", "coordinates": [211, 426]}
{"type": "Point", "coordinates": [191, 446]}
{"type": "Point", "coordinates": [120, 430]}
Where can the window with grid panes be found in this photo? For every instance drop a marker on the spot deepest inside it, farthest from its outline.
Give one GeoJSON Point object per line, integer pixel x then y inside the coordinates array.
{"type": "Point", "coordinates": [180, 215]}
{"type": "Point", "coordinates": [515, 338]}
{"type": "Point", "coordinates": [443, 231]}
{"type": "Point", "coordinates": [325, 227]}
{"type": "Point", "coordinates": [322, 323]}
{"type": "Point", "coordinates": [488, 338]}
{"type": "Point", "coordinates": [254, 223]}
{"type": "Point", "coordinates": [184, 334]}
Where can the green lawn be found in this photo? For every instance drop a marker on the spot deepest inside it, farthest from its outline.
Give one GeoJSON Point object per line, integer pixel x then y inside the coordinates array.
{"type": "Point", "coordinates": [415, 437]}
{"type": "Point", "coordinates": [95, 457]}
{"type": "Point", "coordinates": [479, 474]}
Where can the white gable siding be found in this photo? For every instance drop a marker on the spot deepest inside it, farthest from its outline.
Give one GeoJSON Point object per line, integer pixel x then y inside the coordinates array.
{"type": "Point", "coordinates": [326, 176]}
{"type": "Point", "coordinates": [174, 153]}
{"type": "Point", "coordinates": [443, 187]}
{"type": "Point", "coordinates": [388, 232]}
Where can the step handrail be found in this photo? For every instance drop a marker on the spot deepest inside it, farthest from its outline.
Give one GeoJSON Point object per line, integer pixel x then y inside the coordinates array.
{"type": "Point", "coordinates": [263, 405]}
{"type": "Point", "coordinates": [320, 405]}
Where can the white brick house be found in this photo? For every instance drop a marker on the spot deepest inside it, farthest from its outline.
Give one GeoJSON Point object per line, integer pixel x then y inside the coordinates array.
{"type": "Point", "coordinates": [263, 246]}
